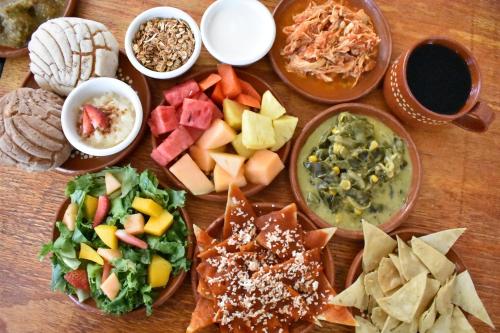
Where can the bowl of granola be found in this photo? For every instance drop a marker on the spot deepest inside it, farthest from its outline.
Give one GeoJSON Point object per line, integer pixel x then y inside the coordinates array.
{"type": "Point", "coordinates": [163, 42]}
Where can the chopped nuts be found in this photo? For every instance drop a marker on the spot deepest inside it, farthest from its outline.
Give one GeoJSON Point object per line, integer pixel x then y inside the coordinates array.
{"type": "Point", "coordinates": [163, 45]}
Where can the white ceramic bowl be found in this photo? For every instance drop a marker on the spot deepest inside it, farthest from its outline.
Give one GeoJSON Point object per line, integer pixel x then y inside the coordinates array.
{"type": "Point", "coordinates": [162, 12]}
{"type": "Point", "coordinates": [88, 90]}
{"type": "Point", "coordinates": [239, 32]}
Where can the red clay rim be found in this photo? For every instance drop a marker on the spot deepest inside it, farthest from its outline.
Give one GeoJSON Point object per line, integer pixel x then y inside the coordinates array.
{"type": "Point", "coordinates": [366, 110]}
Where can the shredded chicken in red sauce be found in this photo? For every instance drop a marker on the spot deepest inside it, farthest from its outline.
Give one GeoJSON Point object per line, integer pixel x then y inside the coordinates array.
{"type": "Point", "coordinates": [330, 40]}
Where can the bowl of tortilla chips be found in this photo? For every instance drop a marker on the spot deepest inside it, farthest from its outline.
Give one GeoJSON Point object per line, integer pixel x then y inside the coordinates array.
{"type": "Point", "coordinates": [411, 282]}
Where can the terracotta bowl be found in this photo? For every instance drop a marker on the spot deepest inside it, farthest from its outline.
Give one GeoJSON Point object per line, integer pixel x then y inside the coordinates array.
{"type": "Point", "coordinates": [165, 293]}
{"type": "Point", "coordinates": [335, 92]}
{"type": "Point", "coordinates": [259, 85]}
{"type": "Point", "coordinates": [79, 163]}
{"type": "Point", "coordinates": [12, 52]}
{"type": "Point", "coordinates": [215, 230]}
{"type": "Point", "coordinates": [396, 127]}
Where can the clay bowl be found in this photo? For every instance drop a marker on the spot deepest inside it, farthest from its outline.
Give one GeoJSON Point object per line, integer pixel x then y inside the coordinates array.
{"type": "Point", "coordinates": [261, 86]}
{"type": "Point", "coordinates": [79, 163]}
{"type": "Point", "coordinates": [165, 293]}
{"type": "Point", "coordinates": [318, 90]}
{"type": "Point", "coordinates": [396, 127]}
{"type": "Point", "coordinates": [12, 52]}
{"type": "Point", "coordinates": [261, 208]}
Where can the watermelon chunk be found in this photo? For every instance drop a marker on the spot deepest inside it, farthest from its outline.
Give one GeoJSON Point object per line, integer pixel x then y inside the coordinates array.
{"type": "Point", "coordinates": [173, 146]}
{"type": "Point", "coordinates": [163, 120]}
{"type": "Point", "coordinates": [175, 95]}
{"type": "Point", "coordinates": [158, 157]}
{"type": "Point", "coordinates": [217, 113]}
{"type": "Point", "coordinates": [196, 113]}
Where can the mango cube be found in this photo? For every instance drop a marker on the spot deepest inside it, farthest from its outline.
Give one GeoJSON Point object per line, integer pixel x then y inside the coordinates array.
{"type": "Point", "coordinates": [158, 272]}
{"type": "Point", "coordinates": [257, 131]}
{"type": "Point", "coordinates": [271, 107]}
{"type": "Point", "coordinates": [284, 127]}
{"type": "Point", "coordinates": [107, 234]}
{"type": "Point", "coordinates": [233, 112]}
{"type": "Point", "coordinates": [111, 286]}
{"type": "Point", "coordinates": [222, 179]}
{"type": "Point", "coordinates": [263, 167]}
{"type": "Point", "coordinates": [240, 148]}
{"type": "Point", "coordinates": [147, 206]}
{"type": "Point", "coordinates": [86, 252]}
{"type": "Point", "coordinates": [90, 206]}
{"type": "Point", "coordinates": [231, 163]}
{"type": "Point", "coordinates": [157, 226]}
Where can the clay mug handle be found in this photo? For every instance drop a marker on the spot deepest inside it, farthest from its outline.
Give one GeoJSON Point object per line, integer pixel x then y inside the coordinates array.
{"type": "Point", "coordinates": [478, 119]}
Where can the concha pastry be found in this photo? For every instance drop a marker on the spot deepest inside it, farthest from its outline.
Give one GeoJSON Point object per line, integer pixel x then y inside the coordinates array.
{"type": "Point", "coordinates": [67, 51]}
{"type": "Point", "coordinates": [31, 135]}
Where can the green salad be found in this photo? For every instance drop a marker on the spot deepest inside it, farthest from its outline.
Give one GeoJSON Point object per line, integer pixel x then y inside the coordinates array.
{"type": "Point", "coordinates": [120, 240]}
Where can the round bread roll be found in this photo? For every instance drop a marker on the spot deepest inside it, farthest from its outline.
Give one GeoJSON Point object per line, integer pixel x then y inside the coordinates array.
{"type": "Point", "coordinates": [31, 135]}
{"type": "Point", "coordinates": [67, 51]}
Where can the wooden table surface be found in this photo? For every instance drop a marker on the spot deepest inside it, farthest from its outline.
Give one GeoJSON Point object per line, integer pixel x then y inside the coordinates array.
{"type": "Point", "coordinates": [461, 183]}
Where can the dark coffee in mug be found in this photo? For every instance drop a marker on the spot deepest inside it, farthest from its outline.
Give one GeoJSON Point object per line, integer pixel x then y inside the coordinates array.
{"type": "Point", "coordinates": [439, 78]}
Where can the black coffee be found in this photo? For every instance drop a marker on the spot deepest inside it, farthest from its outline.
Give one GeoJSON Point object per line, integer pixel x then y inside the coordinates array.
{"type": "Point", "coordinates": [438, 78]}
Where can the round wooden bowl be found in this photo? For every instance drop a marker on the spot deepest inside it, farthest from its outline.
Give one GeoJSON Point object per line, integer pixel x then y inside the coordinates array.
{"type": "Point", "coordinates": [215, 230]}
{"type": "Point", "coordinates": [261, 86]}
{"type": "Point", "coordinates": [396, 127]}
{"type": "Point", "coordinates": [173, 284]}
{"type": "Point", "coordinates": [318, 90]}
{"type": "Point", "coordinates": [12, 52]}
{"type": "Point", "coordinates": [79, 163]}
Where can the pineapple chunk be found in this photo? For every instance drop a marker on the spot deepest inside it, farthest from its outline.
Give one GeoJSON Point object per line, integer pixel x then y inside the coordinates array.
{"type": "Point", "coordinates": [257, 131]}
{"type": "Point", "coordinates": [271, 107]}
{"type": "Point", "coordinates": [284, 127]}
{"type": "Point", "coordinates": [240, 148]}
{"type": "Point", "coordinates": [232, 113]}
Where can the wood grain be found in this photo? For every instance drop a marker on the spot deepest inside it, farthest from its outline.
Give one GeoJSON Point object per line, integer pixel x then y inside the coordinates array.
{"type": "Point", "coordinates": [461, 185]}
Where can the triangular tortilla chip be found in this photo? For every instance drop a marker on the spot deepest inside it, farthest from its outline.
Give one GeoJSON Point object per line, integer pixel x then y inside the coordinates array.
{"type": "Point", "coordinates": [444, 296]}
{"type": "Point", "coordinates": [397, 263]}
{"type": "Point", "coordinates": [203, 315]}
{"type": "Point", "coordinates": [203, 239]}
{"type": "Point", "coordinates": [443, 240]}
{"type": "Point", "coordinates": [354, 296]}
{"type": "Point", "coordinates": [372, 287]}
{"type": "Point", "coordinates": [442, 324]}
{"type": "Point", "coordinates": [378, 244]}
{"type": "Point", "coordinates": [239, 213]}
{"type": "Point", "coordinates": [460, 324]}
{"type": "Point", "coordinates": [318, 238]}
{"type": "Point", "coordinates": [388, 275]}
{"type": "Point", "coordinates": [390, 324]}
{"type": "Point", "coordinates": [466, 297]}
{"type": "Point", "coordinates": [410, 264]}
{"type": "Point", "coordinates": [437, 263]}
{"type": "Point", "coordinates": [378, 317]}
{"type": "Point", "coordinates": [431, 290]}
{"type": "Point", "coordinates": [365, 326]}
{"type": "Point", "coordinates": [404, 303]}
{"type": "Point", "coordinates": [427, 318]}
{"type": "Point", "coordinates": [407, 327]}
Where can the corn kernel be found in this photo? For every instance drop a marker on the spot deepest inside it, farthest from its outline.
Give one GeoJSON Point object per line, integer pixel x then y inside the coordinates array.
{"type": "Point", "coordinates": [313, 159]}
{"type": "Point", "coordinates": [358, 211]}
{"type": "Point", "coordinates": [373, 179]}
{"type": "Point", "coordinates": [336, 170]}
{"type": "Point", "coordinates": [338, 148]}
{"type": "Point", "coordinates": [345, 184]}
{"type": "Point", "coordinates": [332, 192]}
{"type": "Point", "coordinates": [335, 130]}
{"type": "Point", "coordinates": [373, 145]}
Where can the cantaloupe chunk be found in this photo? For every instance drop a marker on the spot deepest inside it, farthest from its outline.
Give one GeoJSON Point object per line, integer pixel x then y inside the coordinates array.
{"type": "Point", "coordinates": [217, 135]}
{"type": "Point", "coordinates": [222, 179]}
{"type": "Point", "coordinates": [188, 173]}
{"type": "Point", "coordinates": [257, 131]}
{"type": "Point", "coordinates": [271, 107]}
{"type": "Point", "coordinates": [240, 148]}
{"type": "Point", "coordinates": [111, 287]}
{"type": "Point", "coordinates": [263, 167]}
{"type": "Point", "coordinates": [284, 127]}
{"type": "Point", "coordinates": [231, 163]}
{"type": "Point", "coordinates": [202, 157]}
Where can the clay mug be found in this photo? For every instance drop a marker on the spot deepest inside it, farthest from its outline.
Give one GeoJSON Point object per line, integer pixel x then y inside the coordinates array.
{"type": "Point", "coordinates": [473, 116]}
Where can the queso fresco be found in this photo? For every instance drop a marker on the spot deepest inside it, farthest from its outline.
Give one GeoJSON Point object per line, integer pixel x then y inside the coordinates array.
{"type": "Point", "coordinates": [354, 168]}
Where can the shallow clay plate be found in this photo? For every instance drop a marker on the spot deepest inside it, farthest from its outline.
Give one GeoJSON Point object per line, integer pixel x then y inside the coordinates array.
{"type": "Point", "coordinates": [261, 87]}
{"type": "Point", "coordinates": [215, 230]}
{"type": "Point", "coordinates": [318, 90]}
{"type": "Point", "coordinates": [12, 52]}
{"type": "Point", "coordinates": [165, 293]}
{"type": "Point", "coordinates": [396, 127]}
{"type": "Point", "coordinates": [78, 162]}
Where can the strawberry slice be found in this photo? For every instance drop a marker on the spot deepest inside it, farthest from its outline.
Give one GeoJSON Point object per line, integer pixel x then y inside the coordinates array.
{"type": "Point", "coordinates": [78, 279]}
{"type": "Point", "coordinates": [131, 240]}
{"type": "Point", "coordinates": [103, 206]}
{"type": "Point", "coordinates": [87, 128]}
{"type": "Point", "coordinates": [97, 117]}
{"type": "Point", "coordinates": [106, 270]}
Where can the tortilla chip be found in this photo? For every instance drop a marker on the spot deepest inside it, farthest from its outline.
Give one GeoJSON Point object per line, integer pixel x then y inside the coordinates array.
{"type": "Point", "coordinates": [378, 244]}
{"type": "Point", "coordinates": [354, 296]}
{"type": "Point", "coordinates": [372, 287]}
{"type": "Point", "coordinates": [390, 324]}
{"type": "Point", "coordinates": [411, 266]}
{"type": "Point", "coordinates": [404, 303]}
{"type": "Point", "coordinates": [378, 317]}
{"type": "Point", "coordinates": [466, 297]}
{"type": "Point", "coordinates": [444, 296]}
{"type": "Point", "coordinates": [427, 318]}
{"type": "Point", "coordinates": [431, 290]}
{"type": "Point", "coordinates": [460, 324]}
{"type": "Point", "coordinates": [443, 240]}
{"type": "Point", "coordinates": [397, 263]}
{"type": "Point", "coordinates": [437, 263]}
{"type": "Point", "coordinates": [442, 324]}
{"type": "Point", "coordinates": [407, 327]}
{"type": "Point", "coordinates": [388, 275]}
{"type": "Point", "coordinates": [364, 326]}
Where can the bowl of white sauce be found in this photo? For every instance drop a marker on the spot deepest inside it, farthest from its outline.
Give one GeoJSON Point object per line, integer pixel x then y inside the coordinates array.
{"type": "Point", "coordinates": [239, 32]}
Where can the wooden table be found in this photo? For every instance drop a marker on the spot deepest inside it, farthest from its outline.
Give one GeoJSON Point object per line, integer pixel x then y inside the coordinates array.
{"type": "Point", "coordinates": [461, 184]}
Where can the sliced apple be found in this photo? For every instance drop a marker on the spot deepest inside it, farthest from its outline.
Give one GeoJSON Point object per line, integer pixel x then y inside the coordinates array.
{"type": "Point", "coordinates": [134, 224]}
{"type": "Point", "coordinates": [112, 184]}
{"type": "Point", "coordinates": [131, 240]}
{"type": "Point", "coordinates": [111, 287]}
{"type": "Point", "coordinates": [109, 254]}
{"type": "Point", "coordinates": [231, 163]}
{"type": "Point", "coordinates": [69, 218]}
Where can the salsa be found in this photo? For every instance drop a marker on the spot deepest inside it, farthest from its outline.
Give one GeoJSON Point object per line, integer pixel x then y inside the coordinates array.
{"type": "Point", "coordinates": [20, 18]}
{"type": "Point", "coordinates": [353, 168]}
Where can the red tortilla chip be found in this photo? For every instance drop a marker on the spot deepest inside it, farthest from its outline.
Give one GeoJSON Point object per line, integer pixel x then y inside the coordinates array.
{"type": "Point", "coordinates": [202, 315]}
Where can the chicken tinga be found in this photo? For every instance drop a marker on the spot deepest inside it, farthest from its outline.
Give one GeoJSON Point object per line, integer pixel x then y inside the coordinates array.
{"type": "Point", "coordinates": [265, 275]}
